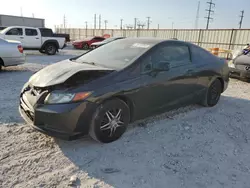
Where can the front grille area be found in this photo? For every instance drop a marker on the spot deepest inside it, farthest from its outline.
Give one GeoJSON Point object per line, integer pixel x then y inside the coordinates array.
{"type": "Point", "coordinates": [28, 98]}
{"type": "Point", "coordinates": [243, 67]}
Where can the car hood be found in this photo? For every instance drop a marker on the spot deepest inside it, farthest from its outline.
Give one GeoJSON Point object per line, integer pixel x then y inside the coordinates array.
{"type": "Point", "coordinates": [98, 43]}
{"type": "Point", "coordinates": [59, 72]}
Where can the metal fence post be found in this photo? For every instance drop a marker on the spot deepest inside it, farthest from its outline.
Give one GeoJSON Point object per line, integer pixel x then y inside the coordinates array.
{"type": "Point", "coordinates": [199, 37]}
{"type": "Point", "coordinates": [230, 41]}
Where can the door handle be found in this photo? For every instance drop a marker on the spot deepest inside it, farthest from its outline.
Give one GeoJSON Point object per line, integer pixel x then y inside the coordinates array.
{"type": "Point", "coordinates": [21, 37]}
{"type": "Point", "coordinates": [37, 38]}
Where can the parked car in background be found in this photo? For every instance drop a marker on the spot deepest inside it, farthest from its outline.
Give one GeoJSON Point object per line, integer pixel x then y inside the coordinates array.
{"type": "Point", "coordinates": [34, 38]}
{"type": "Point", "coordinates": [11, 53]}
{"type": "Point", "coordinates": [86, 43]}
{"type": "Point", "coordinates": [240, 65]}
{"type": "Point", "coordinates": [100, 92]}
{"type": "Point", "coordinates": [106, 41]}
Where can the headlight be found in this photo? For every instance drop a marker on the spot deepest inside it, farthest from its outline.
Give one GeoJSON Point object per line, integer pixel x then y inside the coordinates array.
{"type": "Point", "coordinates": [231, 65]}
{"type": "Point", "coordinates": [56, 98]}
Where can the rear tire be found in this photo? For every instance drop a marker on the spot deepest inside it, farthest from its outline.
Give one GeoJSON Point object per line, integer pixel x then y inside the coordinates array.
{"type": "Point", "coordinates": [110, 121]}
{"type": "Point", "coordinates": [213, 94]}
{"type": "Point", "coordinates": [50, 49]}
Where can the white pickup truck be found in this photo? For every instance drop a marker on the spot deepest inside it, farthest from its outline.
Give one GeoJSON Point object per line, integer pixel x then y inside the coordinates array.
{"type": "Point", "coordinates": [42, 39]}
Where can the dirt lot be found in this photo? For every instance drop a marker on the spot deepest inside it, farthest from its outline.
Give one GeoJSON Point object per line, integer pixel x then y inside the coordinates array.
{"type": "Point", "coordinates": [192, 147]}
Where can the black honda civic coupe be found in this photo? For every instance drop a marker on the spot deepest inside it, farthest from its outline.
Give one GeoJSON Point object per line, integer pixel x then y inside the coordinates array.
{"type": "Point", "coordinates": [100, 92]}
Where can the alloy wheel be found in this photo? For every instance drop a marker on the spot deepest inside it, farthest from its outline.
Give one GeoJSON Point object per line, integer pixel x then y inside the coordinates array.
{"type": "Point", "coordinates": [111, 122]}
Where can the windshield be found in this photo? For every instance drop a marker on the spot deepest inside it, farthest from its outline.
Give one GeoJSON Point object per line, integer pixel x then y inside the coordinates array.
{"type": "Point", "coordinates": [117, 55]}
{"type": "Point", "coordinates": [3, 31]}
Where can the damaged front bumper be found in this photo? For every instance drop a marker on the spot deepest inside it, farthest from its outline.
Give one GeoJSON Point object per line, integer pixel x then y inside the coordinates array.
{"type": "Point", "coordinates": [65, 121]}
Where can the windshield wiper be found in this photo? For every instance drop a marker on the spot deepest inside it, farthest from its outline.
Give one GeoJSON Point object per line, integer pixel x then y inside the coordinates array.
{"type": "Point", "coordinates": [91, 63]}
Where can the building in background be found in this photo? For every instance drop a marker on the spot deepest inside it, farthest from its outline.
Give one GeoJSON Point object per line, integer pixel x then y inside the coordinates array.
{"type": "Point", "coordinates": [8, 20]}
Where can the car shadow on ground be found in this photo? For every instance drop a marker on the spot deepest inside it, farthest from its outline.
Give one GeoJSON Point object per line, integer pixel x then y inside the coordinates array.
{"type": "Point", "coordinates": [203, 146]}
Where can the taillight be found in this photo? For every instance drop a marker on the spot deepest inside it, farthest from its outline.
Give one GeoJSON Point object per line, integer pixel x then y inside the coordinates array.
{"type": "Point", "coordinates": [20, 48]}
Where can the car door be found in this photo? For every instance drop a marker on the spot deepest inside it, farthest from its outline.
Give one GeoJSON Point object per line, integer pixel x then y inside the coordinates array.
{"type": "Point", "coordinates": [15, 34]}
{"type": "Point", "coordinates": [170, 87]}
{"type": "Point", "coordinates": [31, 38]}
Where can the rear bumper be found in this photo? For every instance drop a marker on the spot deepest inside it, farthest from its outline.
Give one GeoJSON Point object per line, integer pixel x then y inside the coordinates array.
{"type": "Point", "coordinates": [239, 73]}
{"type": "Point", "coordinates": [65, 121]}
{"type": "Point", "coordinates": [12, 61]}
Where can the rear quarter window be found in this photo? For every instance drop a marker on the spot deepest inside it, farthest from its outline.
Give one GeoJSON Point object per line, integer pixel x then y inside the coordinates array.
{"type": "Point", "coordinates": [201, 56]}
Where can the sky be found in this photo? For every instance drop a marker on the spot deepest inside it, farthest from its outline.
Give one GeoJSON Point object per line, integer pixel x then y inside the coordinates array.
{"type": "Point", "coordinates": [167, 13]}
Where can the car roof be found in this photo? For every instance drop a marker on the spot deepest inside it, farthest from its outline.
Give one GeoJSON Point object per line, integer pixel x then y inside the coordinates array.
{"type": "Point", "coordinates": [151, 40]}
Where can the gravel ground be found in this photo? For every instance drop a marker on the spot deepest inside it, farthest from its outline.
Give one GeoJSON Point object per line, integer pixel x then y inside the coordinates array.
{"type": "Point", "coordinates": [192, 147]}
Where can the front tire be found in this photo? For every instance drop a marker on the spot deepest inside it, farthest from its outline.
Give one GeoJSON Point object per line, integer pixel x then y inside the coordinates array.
{"type": "Point", "coordinates": [110, 121]}
{"type": "Point", "coordinates": [85, 46]}
{"type": "Point", "coordinates": [213, 94]}
{"type": "Point", "coordinates": [50, 49]}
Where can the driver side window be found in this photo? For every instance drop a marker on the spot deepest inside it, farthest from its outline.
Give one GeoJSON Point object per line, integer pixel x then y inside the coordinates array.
{"type": "Point", "coordinates": [175, 54]}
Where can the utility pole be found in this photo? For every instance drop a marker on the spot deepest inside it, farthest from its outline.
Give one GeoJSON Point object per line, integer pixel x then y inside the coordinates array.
{"type": "Point", "coordinates": [158, 27]}
{"type": "Point", "coordinates": [86, 29]}
{"type": "Point", "coordinates": [172, 25]}
{"type": "Point", "coordinates": [64, 21]}
{"type": "Point", "coordinates": [33, 15]}
{"type": "Point", "coordinates": [121, 23]}
{"type": "Point", "coordinates": [135, 23]}
{"type": "Point", "coordinates": [100, 17]}
{"type": "Point", "coordinates": [241, 18]}
{"type": "Point", "coordinates": [148, 22]}
{"type": "Point", "coordinates": [95, 21]}
{"type": "Point", "coordinates": [105, 22]}
{"type": "Point", "coordinates": [21, 10]}
{"type": "Point", "coordinates": [197, 16]}
{"type": "Point", "coordinates": [211, 5]}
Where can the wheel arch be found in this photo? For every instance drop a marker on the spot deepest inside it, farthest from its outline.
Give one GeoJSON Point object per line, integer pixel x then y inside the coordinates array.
{"type": "Point", "coordinates": [50, 42]}
{"type": "Point", "coordinates": [222, 83]}
{"type": "Point", "coordinates": [212, 79]}
{"type": "Point", "coordinates": [126, 100]}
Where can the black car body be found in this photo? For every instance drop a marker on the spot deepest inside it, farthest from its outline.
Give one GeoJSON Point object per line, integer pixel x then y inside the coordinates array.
{"type": "Point", "coordinates": [126, 80]}
{"type": "Point", "coordinates": [240, 67]}
{"type": "Point", "coordinates": [106, 41]}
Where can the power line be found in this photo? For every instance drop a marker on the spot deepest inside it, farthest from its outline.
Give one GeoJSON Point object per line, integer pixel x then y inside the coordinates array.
{"type": "Point", "coordinates": [197, 16]}
{"type": "Point", "coordinates": [100, 17]}
{"type": "Point", "coordinates": [148, 22]}
{"type": "Point", "coordinates": [135, 23]}
{"type": "Point", "coordinates": [105, 22]}
{"type": "Point", "coordinates": [121, 23]}
{"type": "Point", "coordinates": [241, 18]}
{"type": "Point", "coordinates": [211, 5]}
{"type": "Point", "coordinates": [140, 25]}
